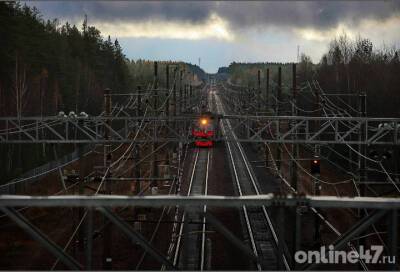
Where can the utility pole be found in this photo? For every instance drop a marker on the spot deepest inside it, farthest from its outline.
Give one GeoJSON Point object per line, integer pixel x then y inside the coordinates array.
{"type": "Point", "coordinates": [248, 97]}
{"type": "Point", "coordinates": [362, 148]}
{"type": "Point", "coordinates": [187, 93]}
{"type": "Point", "coordinates": [167, 105]}
{"type": "Point", "coordinates": [185, 90]}
{"type": "Point", "coordinates": [191, 91]}
{"type": "Point", "coordinates": [136, 153]}
{"type": "Point", "coordinates": [190, 94]}
{"type": "Point", "coordinates": [315, 179]}
{"type": "Point", "coordinates": [180, 90]}
{"type": "Point", "coordinates": [293, 166]}
{"type": "Point", "coordinates": [155, 87]}
{"type": "Point", "coordinates": [136, 149]}
{"type": "Point", "coordinates": [248, 130]}
{"type": "Point", "coordinates": [278, 99]}
{"type": "Point", "coordinates": [107, 259]}
{"type": "Point", "coordinates": [362, 163]}
{"type": "Point", "coordinates": [259, 90]}
{"type": "Point", "coordinates": [266, 110]}
{"type": "Point", "coordinates": [167, 93]}
{"type": "Point", "coordinates": [156, 113]}
{"type": "Point", "coordinates": [267, 90]}
{"type": "Point", "coordinates": [174, 94]}
{"type": "Point", "coordinates": [294, 147]}
{"type": "Point", "coordinates": [81, 189]}
{"type": "Point", "coordinates": [174, 102]}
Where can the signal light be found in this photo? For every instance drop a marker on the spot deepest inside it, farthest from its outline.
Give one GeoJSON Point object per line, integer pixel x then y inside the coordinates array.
{"type": "Point", "coordinates": [315, 166]}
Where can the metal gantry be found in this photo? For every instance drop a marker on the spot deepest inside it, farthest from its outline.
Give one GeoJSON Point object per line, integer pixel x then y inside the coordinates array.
{"type": "Point", "coordinates": [103, 204]}
{"type": "Point", "coordinates": [271, 129]}
{"type": "Point", "coordinates": [267, 200]}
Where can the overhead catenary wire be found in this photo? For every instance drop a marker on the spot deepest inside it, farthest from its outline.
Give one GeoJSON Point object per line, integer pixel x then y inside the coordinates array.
{"type": "Point", "coordinates": [85, 214]}
{"type": "Point", "coordinates": [322, 181]}
{"type": "Point", "coordinates": [372, 160]}
{"type": "Point", "coordinates": [365, 157]}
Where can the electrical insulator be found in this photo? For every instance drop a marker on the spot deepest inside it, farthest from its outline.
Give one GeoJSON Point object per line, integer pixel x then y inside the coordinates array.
{"type": "Point", "coordinates": [315, 166]}
{"type": "Point", "coordinates": [374, 154]}
{"type": "Point", "coordinates": [386, 155]}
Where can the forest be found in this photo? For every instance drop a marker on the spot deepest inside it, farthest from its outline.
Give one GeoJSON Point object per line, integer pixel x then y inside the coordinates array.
{"type": "Point", "coordinates": [246, 73]}
{"type": "Point", "coordinates": [47, 67]}
{"type": "Point", "coordinates": [349, 66]}
{"type": "Point", "coordinates": [358, 66]}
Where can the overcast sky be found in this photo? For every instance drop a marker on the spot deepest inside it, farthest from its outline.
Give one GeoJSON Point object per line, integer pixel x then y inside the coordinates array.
{"type": "Point", "coordinates": [222, 32]}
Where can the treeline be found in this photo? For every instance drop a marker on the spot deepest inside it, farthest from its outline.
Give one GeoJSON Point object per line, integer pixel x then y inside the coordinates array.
{"type": "Point", "coordinates": [142, 72]}
{"type": "Point", "coordinates": [348, 66]}
{"type": "Point", "coordinates": [246, 74]}
{"type": "Point", "coordinates": [352, 66]}
{"type": "Point", "coordinates": [46, 67]}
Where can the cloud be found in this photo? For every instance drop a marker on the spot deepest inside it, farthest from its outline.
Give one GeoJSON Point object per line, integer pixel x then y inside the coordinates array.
{"type": "Point", "coordinates": [133, 11]}
{"type": "Point", "coordinates": [240, 14]}
{"type": "Point", "coordinates": [378, 31]}
{"type": "Point", "coordinates": [213, 27]}
{"type": "Point", "coordinates": [316, 14]}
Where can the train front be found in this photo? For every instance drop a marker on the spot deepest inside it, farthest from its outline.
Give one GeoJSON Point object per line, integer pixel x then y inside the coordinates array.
{"type": "Point", "coordinates": [203, 131]}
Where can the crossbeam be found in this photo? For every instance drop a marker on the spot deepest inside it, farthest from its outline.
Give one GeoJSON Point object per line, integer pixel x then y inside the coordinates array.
{"type": "Point", "coordinates": [269, 129]}
{"type": "Point", "coordinates": [268, 200]}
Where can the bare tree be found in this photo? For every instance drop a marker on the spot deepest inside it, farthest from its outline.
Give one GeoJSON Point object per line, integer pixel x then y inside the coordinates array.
{"type": "Point", "coordinates": [20, 86]}
{"type": "Point", "coordinates": [347, 50]}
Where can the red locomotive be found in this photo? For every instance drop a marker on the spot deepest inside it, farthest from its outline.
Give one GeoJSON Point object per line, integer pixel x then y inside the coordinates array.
{"type": "Point", "coordinates": [203, 131]}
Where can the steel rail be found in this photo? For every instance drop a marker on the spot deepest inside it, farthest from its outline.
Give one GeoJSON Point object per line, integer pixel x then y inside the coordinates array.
{"type": "Point", "coordinates": [203, 238]}
{"type": "Point", "coordinates": [178, 244]}
{"type": "Point", "coordinates": [248, 225]}
{"type": "Point", "coordinates": [176, 213]}
{"type": "Point", "coordinates": [255, 187]}
{"type": "Point", "coordinates": [191, 192]}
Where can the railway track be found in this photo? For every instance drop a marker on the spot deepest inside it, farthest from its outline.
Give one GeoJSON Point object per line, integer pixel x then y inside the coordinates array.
{"type": "Point", "coordinates": [191, 249]}
{"type": "Point", "coordinates": [261, 234]}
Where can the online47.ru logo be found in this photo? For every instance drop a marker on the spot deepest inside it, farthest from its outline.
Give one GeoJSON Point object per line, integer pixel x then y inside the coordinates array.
{"type": "Point", "coordinates": [328, 255]}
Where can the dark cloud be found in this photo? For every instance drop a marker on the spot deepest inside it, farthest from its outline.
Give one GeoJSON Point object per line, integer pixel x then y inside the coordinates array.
{"type": "Point", "coordinates": [316, 14]}
{"type": "Point", "coordinates": [127, 10]}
